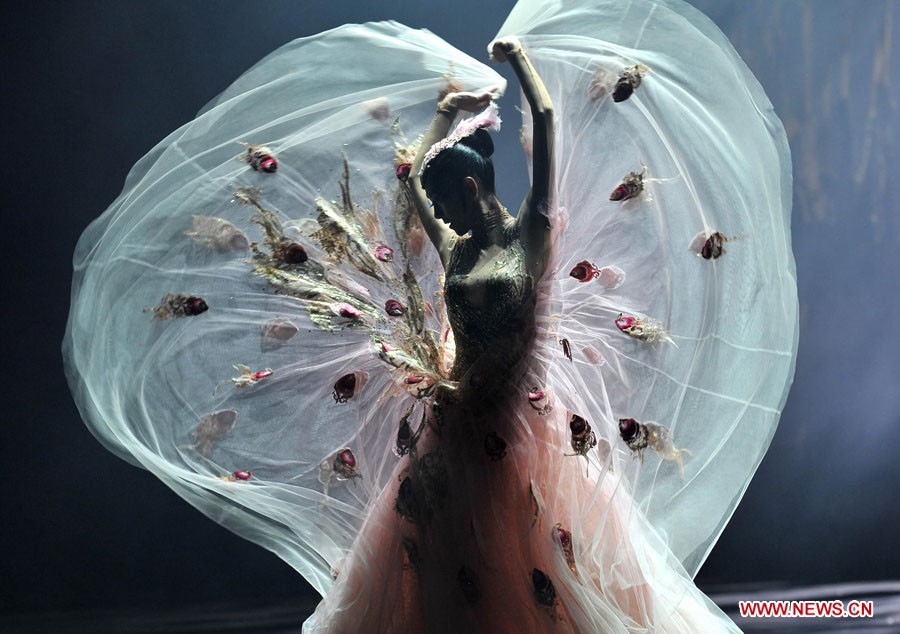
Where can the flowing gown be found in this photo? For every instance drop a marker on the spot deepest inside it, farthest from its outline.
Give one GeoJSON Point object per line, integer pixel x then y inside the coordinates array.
{"type": "Point", "coordinates": [265, 328]}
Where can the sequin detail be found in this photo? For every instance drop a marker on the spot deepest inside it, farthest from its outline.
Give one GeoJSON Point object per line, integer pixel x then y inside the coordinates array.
{"type": "Point", "coordinates": [506, 286]}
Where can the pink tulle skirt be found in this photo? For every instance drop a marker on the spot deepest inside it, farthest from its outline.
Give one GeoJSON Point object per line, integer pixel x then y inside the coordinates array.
{"type": "Point", "coordinates": [498, 526]}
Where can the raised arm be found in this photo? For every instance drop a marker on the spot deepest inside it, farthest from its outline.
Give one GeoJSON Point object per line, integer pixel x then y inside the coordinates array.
{"type": "Point", "coordinates": [534, 225]}
{"type": "Point", "coordinates": [437, 231]}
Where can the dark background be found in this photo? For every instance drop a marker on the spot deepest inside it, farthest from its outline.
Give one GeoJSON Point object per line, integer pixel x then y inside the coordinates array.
{"type": "Point", "coordinates": [89, 87]}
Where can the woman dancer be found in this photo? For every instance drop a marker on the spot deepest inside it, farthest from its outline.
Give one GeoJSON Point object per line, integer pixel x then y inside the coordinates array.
{"type": "Point", "coordinates": [530, 441]}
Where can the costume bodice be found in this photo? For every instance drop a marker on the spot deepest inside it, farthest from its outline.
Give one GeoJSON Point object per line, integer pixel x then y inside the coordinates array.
{"type": "Point", "coordinates": [487, 304]}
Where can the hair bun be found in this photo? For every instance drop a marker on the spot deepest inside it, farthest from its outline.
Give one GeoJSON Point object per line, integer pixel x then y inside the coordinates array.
{"type": "Point", "coordinates": [480, 141]}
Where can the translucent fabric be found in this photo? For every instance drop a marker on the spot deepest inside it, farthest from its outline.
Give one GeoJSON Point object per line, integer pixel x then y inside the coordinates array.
{"type": "Point", "coordinates": [255, 324]}
{"type": "Point", "coordinates": [715, 159]}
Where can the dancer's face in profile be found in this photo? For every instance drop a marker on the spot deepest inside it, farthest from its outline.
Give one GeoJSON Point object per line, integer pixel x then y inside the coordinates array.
{"type": "Point", "coordinates": [457, 207]}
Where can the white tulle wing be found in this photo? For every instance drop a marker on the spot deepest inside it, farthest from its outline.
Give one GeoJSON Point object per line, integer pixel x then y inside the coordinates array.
{"type": "Point", "coordinates": [715, 354]}
{"type": "Point", "coordinates": [223, 295]}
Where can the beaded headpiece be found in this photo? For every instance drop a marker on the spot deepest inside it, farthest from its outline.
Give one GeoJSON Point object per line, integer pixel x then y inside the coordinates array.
{"type": "Point", "coordinates": [488, 118]}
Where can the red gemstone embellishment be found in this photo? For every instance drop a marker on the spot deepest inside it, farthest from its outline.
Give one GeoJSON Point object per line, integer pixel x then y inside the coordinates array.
{"type": "Point", "coordinates": [262, 374]}
{"type": "Point", "coordinates": [347, 457]}
{"type": "Point", "coordinates": [384, 253]}
{"type": "Point", "coordinates": [393, 308]}
{"type": "Point", "coordinates": [584, 271]}
{"type": "Point", "coordinates": [628, 427]}
{"type": "Point", "coordinates": [565, 541]}
{"type": "Point", "coordinates": [241, 475]}
{"type": "Point", "coordinates": [295, 254]}
{"type": "Point", "coordinates": [261, 159]}
{"type": "Point", "coordinates": [565, 537]}
{"type": "Point", "coordinates": [577, 425]}
{"type": "Point", "coordinates": [618, 193]}
{"type": "Point", "coordinates": [414, 378]}
{"type": "Point", "coordinates": [539, 401]}
{"type": "Point", "coordinates": [403, 171]}
{"type": "Point", "coordinates": [197, 305]}
{"type": "Point", "coordinates": [346, 310]}
{"type": "Point", "coordinates": [343, 466]}
{"type": "Point", "coordinates": [624, 323]}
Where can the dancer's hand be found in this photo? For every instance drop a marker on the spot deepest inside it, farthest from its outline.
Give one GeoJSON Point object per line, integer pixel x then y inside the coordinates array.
{"type": "Point", "coordinates": [500, 49]}
{"type": "Point", "coordinates": [468, 101]}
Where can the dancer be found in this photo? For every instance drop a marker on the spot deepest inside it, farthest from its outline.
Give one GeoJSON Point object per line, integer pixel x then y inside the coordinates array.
{"type": "Point", "coordinates": [536, 423]}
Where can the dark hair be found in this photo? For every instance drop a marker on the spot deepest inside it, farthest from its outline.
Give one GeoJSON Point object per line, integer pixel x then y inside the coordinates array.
{"type": "Point", "coordinates": [471, 156]}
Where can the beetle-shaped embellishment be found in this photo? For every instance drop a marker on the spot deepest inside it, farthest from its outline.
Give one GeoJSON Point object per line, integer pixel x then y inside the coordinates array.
{"type": "Point", "coordinates": [714, 246]}
{"type": "Point", "coordinates": [394, 308]}
{"type": "Point", "coordinates": [584, 271]}
{"type": "Point", "coordinates": [583, 438]}
{"type": "Point", "coordinates": [404, 436]}
{"type": "Point", "coordinates": [639, 436]}
{"type": "Point", "coordinates": [246, 377]}
{"type": "Point", "coordinates": [345, 465]}
{"type": "Point", "coordinates": [643, 329]}
{"type": "Point", "coordinates": [567, 348]}
{"type": "Point", "coordinates": [291, 253]}
{"type": "Point", "coordinates": [630, 187]}
{"type": "Point", "coordinates": [403, 171]}
{"type": "Point", "coordinates": [406, 503]}
{"type": "Point", "coordinates": [405, 439]}
{"type": "Point", "coordinates": [384, 253]}
{"type": "Point", "coordinates": [564, 539]}
{"type": "Point", "coordinates": [710, 245]}
{"type": "Point", "coordinates": [260, 158]}
{"type": "Point", "coordinates": [629, 80]}
{"type": "Point", "coordinates": [544, 591]}
{"type": "Point", "coordinates": [345, 310]}
{"type": "Point", "coordinates": [174, 305]}
{"type": "Point", "coordinates": [341, 466]}
{"type": "Point", "coordinates": [539, 401]}
{"type": "Point", "coordinates": [344, 388]}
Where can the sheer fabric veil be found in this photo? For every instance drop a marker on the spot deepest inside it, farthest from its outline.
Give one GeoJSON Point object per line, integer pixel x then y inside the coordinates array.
{"type": "Point", "coordinates": [245, 401]}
